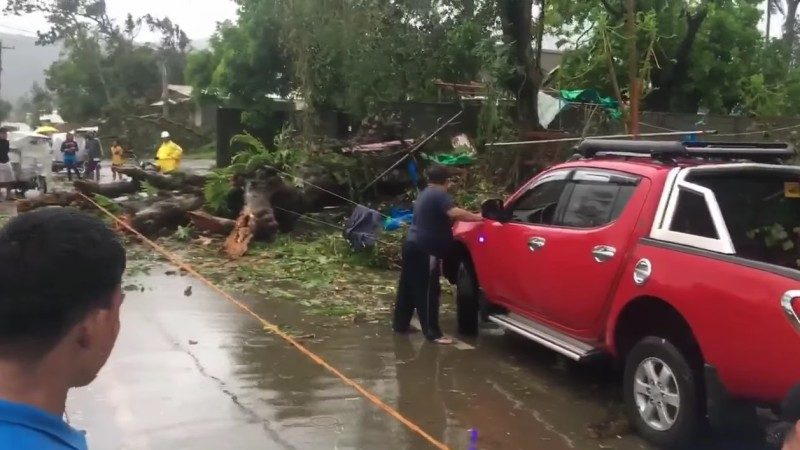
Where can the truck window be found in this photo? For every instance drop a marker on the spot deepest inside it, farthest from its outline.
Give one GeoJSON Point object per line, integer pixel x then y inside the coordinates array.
{"type": "Point", "coordinates": [761, 209]}
{"type": "Point", "coordinates": [593, 205]}
{"type": "Point", "coordinates": [538, 205]}
{"type": "Point", "coordinates": [693, 217]}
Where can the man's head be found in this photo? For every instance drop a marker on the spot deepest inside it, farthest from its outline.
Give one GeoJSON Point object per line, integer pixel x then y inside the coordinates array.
{"type": "Point", "coordinates": [3, 134]}
{"type": "Point", "coordinates": [165, 136]}
{"type": "Point", "coordinates": [70, 136]}
{"type": "Point", "coordinates": [439, 176]}
{"type": "Point", "coordinates": [60, 295]}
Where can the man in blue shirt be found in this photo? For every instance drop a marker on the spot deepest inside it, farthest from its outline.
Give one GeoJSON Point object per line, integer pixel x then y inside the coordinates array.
{"type": "Point", "coordinates": [428, 241]}
{"type": "Point", "coordinates": [60, 299]}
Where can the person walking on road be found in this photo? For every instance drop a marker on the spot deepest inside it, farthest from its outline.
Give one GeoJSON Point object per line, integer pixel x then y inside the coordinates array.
{"type": "Point", "coordinates": [117, 159]}
{"type": "Point", "coordinates": [94, 153]}
{"type": "Point", "coordinates": [428, 241]}
{"type": "Point", "coordinates": [168, 157]}
{"type": "Point", "coordinates": [70, 150]}
{"type": "Point", "coordinates": [6, 171]}
{"type": "Point", "coordinates": [60, 299]}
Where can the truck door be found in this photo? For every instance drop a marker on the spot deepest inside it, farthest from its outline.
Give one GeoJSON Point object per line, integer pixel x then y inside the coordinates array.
{"type": "Point", "coordinates": [579, 257]}
{"type": "Point", "coordinates": [505, 249]}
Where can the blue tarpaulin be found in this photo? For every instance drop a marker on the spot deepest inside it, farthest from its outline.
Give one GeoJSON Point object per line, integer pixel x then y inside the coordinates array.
{"type": "Point", "coordinates": [397, 218]}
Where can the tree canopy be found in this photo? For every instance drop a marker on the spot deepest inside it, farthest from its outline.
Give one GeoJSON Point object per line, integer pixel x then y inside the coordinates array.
{"type": "Point", "coordinates": [103, 72]}
{"type": "Point", "coordinates": [358, 55]}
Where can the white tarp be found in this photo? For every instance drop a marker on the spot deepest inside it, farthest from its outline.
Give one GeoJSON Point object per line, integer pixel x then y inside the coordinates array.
{"type": "Point", "coordinates": [549, 107]}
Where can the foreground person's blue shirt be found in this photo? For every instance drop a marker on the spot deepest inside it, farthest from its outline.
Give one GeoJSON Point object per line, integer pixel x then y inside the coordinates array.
{"type": "Point", "coordinates": [24, 427]}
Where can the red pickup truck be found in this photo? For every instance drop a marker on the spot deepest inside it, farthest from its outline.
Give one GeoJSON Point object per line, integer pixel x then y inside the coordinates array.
{"type": "Point", "coordinates": [681, 260]}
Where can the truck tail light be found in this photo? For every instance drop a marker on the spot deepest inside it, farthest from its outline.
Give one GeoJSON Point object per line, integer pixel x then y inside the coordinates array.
{"type": "Point", "coordinates": [791, 307]}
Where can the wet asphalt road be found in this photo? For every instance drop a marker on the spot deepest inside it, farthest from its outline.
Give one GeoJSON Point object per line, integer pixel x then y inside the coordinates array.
{"type": "Point", "coordinates": [196, 373]}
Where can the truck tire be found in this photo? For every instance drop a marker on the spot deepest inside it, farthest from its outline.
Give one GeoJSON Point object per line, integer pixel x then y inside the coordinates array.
{"type": "Point", "coordinates": [662, 393]}
{"type": "Point", "coordinates": [467, 304]}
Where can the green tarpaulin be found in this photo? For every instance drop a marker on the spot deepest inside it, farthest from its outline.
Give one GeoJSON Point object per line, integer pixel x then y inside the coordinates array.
{"type": "Point", "coordinates": [452, 159]}
{"type": "Point", "coordinates": [592, 96]}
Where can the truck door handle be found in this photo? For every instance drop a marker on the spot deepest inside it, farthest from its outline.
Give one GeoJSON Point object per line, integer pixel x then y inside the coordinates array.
{"type": "Point", "coordinates": [603, 253]}
{"type": "Point", "coordinates": [536, 243]}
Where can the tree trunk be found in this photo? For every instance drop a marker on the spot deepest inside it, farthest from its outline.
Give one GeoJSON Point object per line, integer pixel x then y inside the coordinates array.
{"type": "Point", "coordinates": [51, 199]}
{"type": "Point", "coordinates": [206, 223]}
{"type": "Point", "coordinates": [670, 79]}
{"type": "Point", "coordinates": [165, 216]}
{"type": "Point", "coordinates": [270, 205]}
{"type": "Point", "coordinates": [110, 190]}
{"type": "Point", "coordinates": [790, 26]}
{"type": "Point", "coordinates": [516, 17]}
{"type": "Point", "coordinates": [177, 181]}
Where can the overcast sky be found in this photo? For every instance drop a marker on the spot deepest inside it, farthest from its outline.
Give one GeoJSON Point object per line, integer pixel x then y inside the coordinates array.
{"type": "Point", "coordinates": [197, 17]}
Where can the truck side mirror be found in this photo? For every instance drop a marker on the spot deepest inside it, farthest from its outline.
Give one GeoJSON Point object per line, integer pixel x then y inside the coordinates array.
{"type": "Point", "coordinates": [494, 210]}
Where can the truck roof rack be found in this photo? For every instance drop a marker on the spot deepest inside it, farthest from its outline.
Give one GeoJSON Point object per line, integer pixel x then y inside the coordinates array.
{"type": "Point", "coordinates": [756, 151]}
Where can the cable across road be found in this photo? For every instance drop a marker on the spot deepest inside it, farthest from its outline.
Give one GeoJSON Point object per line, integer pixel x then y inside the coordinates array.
{"type": "Point", "coordinates": [274, 329]}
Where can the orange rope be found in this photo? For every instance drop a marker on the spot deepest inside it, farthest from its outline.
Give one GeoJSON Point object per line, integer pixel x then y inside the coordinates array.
{"type": "Point", "coordinates": [272, 328]}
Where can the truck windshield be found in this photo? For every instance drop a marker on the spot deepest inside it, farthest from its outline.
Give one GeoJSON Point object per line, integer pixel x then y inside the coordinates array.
{"type": "Point", "coordinates": [762, 211]}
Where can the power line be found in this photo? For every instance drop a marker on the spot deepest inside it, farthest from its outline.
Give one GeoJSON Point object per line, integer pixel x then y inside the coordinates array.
{"type": "Point", "coordinates": [21, 30]}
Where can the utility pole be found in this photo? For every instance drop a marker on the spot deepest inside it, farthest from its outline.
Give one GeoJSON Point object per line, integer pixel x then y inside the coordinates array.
{"type": "Point", "coordinates": [164, 90]}
{"type": "Point", "coordinates": [2, 47]}
{"type": "Point", "coordinates": [633, 70]}
{"type": "Point", "coordinates": [769, 18]}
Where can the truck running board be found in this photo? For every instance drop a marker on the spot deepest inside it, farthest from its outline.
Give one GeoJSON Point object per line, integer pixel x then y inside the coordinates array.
{"type": "Point", "coordinates": [546, 336]}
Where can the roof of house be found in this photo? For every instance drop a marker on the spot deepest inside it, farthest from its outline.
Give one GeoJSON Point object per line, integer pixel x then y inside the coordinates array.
{"type": "Point", "coordinates": [180, 89]}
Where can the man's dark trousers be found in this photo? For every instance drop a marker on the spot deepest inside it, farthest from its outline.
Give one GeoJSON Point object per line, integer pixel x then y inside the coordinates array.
{"type": "Point", "coordinates": [419, 290]}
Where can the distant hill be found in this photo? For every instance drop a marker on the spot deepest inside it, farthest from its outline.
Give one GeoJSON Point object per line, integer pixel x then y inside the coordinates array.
{"type": "Point", "coordinates": [24, 65]}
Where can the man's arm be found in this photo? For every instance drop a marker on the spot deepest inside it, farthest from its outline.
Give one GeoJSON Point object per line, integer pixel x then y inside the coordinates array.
{"type": "Point", "coordinates": [462, 215]}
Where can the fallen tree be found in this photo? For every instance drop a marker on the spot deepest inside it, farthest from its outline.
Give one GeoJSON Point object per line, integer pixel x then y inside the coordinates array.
{"type": "Point", "coordinates": [177, 181]}
{"type": "Point", "coordinates": [110, 190]}
{"type": "Point", "coordinates": [51, 199]}
{"type": "Point", "coordinates": [162, 216]}
{"type": "Point", "coordinates": [270, 206]}
{"type": "Point", "coordinates": [206, 223]}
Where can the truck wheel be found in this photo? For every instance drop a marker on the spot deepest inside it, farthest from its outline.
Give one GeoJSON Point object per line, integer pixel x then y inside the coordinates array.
{"type": "Point", "coordinates": [662, 393]}
{"type": "Point", "coordinates": [467, 307]}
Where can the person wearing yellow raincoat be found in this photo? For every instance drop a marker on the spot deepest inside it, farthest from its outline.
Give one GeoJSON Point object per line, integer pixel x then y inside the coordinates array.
{"type": "Point", "coordinates": [168, 157]}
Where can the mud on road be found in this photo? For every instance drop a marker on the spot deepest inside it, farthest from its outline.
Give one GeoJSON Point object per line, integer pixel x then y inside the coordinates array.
{"type": "Point", "coordinates": [191, 371]}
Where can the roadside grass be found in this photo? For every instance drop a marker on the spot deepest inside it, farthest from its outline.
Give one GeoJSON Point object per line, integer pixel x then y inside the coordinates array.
{"type": "Point", "coordinates": [315, 269]}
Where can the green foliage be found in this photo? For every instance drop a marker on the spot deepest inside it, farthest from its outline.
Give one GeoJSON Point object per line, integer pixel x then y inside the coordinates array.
{"type": "Point", "coordinates": [725, 67]}
{"type": "Point", "coordinates": [216, 190]}
{"type": "Point", "coordinates": [184, 234]}
{"type": "Point", "coordinates": [149, 189]}
{"type": "Point", "coordinates": [250, 154]}
{"type": "Point", "coordinates": [107, 203]}
{"type": "Point", "coordinates": [102, 72]}
{"type": "Point", "coordinates": [386, 52]}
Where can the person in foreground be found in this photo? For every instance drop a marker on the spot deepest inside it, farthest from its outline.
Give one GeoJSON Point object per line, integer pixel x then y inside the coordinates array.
{"type": "Point", "coordinates": [60, 299]}
{"type": "Point", "coordinates": [428, 242]}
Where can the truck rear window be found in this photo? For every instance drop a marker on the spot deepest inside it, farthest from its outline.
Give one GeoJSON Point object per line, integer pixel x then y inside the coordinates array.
{"type": "Point", "coordinates": [762, 211]}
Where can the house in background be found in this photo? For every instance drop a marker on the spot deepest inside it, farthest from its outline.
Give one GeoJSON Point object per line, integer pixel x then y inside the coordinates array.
{"type": "Point", "coordinates": [184, 107]}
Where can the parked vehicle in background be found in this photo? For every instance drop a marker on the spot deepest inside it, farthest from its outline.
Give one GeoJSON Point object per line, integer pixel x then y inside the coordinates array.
{"type": "Point", "coordinates": [80, 137]}
{"type": "Point", "coordinates": [31, 159]}
{"type": "Point", "coordinates": [679, 260]}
